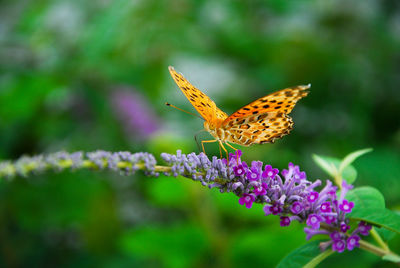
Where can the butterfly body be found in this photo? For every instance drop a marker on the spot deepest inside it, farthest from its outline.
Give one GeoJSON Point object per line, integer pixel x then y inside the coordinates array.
{"type": "Point", "coordinates": [215, 130]}
{"type": "Point", "coordinates": [262, 121]}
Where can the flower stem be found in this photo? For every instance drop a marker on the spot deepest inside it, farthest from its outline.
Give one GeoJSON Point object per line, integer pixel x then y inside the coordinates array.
{"type": "Point", "coordinates": [318, 259]}
{"type": "Point", "coordinates": [374, 249]}
{"type": "Point", "coordinates": [379, 240]}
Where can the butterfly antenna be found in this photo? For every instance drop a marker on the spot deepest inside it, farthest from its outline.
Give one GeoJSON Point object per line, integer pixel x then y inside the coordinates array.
{"type": "Point", "coordinates": [173, 106]}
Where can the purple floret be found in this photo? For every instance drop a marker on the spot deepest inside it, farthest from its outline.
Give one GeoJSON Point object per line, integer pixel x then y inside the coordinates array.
{"type": "Point", "coordinates": [338, 245]}
{"type": "Point", "coordinates": [261, 189]}
{"type": "Point", "coordinates": [330, 219]}
{"type": "Point", "coordinates": [253, 175]}
{"type": "Point", "coordinates": [270, 172]}
{"type": "Point", "coordinates": [285, 221]}
{"type": "Point", "coordinates": [312, 197]}
{"type": "Point", "coordinates": [344, 227]}
{"type": "Point", "coordinates": [326, 207]}
{"type": "Point", "coordinates": [336, 235]}
{"type": "Point", "coordinates": [353, 242]}
{"type": "Point", "coordinates": [239, 170]}
{"type": "Point", "coordinates": [247, 199]}
{"type": "Point", "coordinates": [346, 206]}
{"type": "Point", "coordinates": [364, 228]}
{"type": "Point", "coordinates": [276, 209]}
{"type": "Point", "coordinates": [314, 220]}
{"type": "Point", "coordinates": [296, 207]}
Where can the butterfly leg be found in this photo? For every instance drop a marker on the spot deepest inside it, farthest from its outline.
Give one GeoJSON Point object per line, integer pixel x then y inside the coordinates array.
{"type": "Point", "coordinates": [237, 156]}
{"type": "Point", "coordinates": [202, 144]}
{"type": "Point", "coordinates": [231, 146]}
{"type": "Point", "coordinates": [226, 151]}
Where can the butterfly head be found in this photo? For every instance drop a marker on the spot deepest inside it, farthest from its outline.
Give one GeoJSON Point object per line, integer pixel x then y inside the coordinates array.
{"type": "Point", "coordinates": [210, 127]}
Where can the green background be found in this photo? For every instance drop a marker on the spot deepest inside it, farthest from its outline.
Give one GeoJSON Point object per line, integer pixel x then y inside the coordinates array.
{"type": "Point", "coordinates": [61, 63]}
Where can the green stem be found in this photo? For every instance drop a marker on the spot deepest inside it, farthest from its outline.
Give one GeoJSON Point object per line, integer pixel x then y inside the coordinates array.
{"type": "Point", "coordinates": [318, 259]}
{"type": "Point", "coordinates": [374, 249]}
{"type": "Point", "coordinates": [379, 240]}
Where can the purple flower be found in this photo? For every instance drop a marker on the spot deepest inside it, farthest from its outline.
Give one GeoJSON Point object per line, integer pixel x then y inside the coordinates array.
{"type": "Point", "coordinates": [234, 158]}
{"type": "Point", "coordinates": [134, 112]}
{"type": "Point", "coordinates": [336, 235]}
{"type": "Point", "coordinates": [276, 209]}
{"type": "Point", "coordinates": [247, 199]}
{"type": "Point", "coordinates": [312, 197]}
{"type": "Point", "coordinates": [270, 172]}
{"type": "Point", "coordinates": [290, 196]}
{"type": "Point", "coordinates": [346, 206]}
{"type": "Point", "coordinates": [326, 207]}
{"type": "Point", "coordinates": [267, 210]}
{"type": "Point", "coordinates": [313, 220]}
{"type": "Point", "coordinates": [239, 170]}
{"type": "Point", "coordinates": [253, 175]}
{"type": "Point", "coordinates": [300, 175]}
{"type": "Point", "coordinates": [332, 195]}
{"type": "Point", "coordinates": [296, 207]}
{"type": "Point", "coordinates": [344, 227]}
{"type": "Point", "coordinates": [261, 189]}
{"type": "Point", "coordinates": [329, 219]}
{"type": "Point", "coordinates": [294, 172]}
{"type": "Point", "coordinates": [338, 245]}
{"type": "Point", "coordinates": [345, 188]}
{"type": "Point", "coordinates": [285, 221]}
{"type": "Point", "coordinates": [364, 228]}
{"type": "Point", "coordinates": [288, 172]}
{"type": "Point", "coordinates": [352, 242]}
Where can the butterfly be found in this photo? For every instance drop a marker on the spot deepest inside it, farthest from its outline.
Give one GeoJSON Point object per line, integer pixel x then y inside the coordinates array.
{"type": "Point", "coordinates": [262, 121]}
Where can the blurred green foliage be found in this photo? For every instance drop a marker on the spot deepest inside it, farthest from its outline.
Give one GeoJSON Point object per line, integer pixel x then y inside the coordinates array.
{"type": "Point", "coordinates": [61, 60]}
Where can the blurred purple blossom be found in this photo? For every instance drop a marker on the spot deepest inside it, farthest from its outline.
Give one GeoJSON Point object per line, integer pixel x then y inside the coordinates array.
{"type": "Point", "coordinates": [134, 112]}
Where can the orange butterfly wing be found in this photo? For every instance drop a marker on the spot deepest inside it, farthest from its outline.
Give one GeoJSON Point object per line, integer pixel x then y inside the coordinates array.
{"type": "Point", "coordinates": [281, 101]}
{"type": "Point", "coordinates": [265, 119]}
{"type": "Point", "coordinates": [259, 129]}
{"type": "Point", "coordinates": [200, 101]}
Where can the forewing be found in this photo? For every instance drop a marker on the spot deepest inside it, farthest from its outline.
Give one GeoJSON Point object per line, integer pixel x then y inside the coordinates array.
{"type": "Point", "coordinates": [258, 129]}
{"type": "Point", "coordinates": [200, 101]}
{"type": "Point", "coordinates": [281, 101]}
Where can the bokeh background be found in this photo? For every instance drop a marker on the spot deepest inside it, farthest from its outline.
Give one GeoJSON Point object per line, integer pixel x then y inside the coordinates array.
{"type": "Point", "coordinates": [88, 75]}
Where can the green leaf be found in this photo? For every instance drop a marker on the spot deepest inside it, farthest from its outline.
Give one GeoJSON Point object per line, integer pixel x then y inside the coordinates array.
{"type": "Point", "coordinates": [385, 234]}
{"type": "Point", "coordinates": [349, 174]}
{"type": "Point", "coordinates": [369, 206]}
{"type": "Point", "coordinates": [325, 164]}
{"type": "Point", "coordinates": [331, 166]}
{"type": "Point", "coordinates": [384, 218]}
{"type": "Point", "coordinates": [392, 258]}
{"type": "Point", "coordinates": [308, 254]}
{"type": "Point", "coordinates": [351, 157]}
{"type": "Point", "coordinates": [365, 197]}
